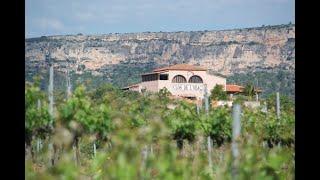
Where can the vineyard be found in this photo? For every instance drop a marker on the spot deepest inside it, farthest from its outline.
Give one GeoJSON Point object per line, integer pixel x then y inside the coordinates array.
{"type": "Point", "coordinates": [106, 133]}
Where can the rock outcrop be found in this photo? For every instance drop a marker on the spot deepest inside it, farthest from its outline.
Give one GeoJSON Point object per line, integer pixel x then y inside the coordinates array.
{"type": "Point", "coordinates": [226, 52]}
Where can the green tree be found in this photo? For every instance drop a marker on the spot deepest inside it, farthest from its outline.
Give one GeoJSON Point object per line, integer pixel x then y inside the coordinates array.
{"type": "Point", "coordinates": [218, 93]}
{"type": "Point", "coordinates": [249, 91]}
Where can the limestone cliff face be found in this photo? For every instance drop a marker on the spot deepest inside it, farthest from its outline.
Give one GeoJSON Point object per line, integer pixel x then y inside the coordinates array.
{"type": "Point", "coordinates": [225, 52]}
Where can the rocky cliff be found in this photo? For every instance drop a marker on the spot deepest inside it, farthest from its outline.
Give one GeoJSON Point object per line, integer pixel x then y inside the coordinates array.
{"type": "Point", "coordinates": [120, 58]}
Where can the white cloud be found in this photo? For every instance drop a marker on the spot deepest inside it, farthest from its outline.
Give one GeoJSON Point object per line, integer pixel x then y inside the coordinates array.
{"type": "Point", "coordinates": [85, 16]}
{"type": "Point", "coordinates": [49, 23]}
{"type": "Point", "coordinates": [72, 16]}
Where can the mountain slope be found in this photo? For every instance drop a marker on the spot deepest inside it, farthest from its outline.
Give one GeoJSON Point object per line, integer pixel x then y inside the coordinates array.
{"type": "Point", "coordinates": [265, 55]}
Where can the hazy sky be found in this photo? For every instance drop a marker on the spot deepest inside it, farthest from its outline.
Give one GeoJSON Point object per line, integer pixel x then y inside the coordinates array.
{"type": "Point", "coordinates": [59, 17]}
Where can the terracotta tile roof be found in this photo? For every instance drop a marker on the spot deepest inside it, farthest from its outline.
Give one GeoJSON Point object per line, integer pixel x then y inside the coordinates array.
{"type": "Point", "coordinates": [234, 88]}
{"type": "Point", "coordinates": [186, 67]}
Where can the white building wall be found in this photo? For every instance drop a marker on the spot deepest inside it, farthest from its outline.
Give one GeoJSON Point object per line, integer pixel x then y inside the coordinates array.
{"type": "Point", "coordinates": [152, 86]}
{"type": "Point", "coordinates": [186, 89]}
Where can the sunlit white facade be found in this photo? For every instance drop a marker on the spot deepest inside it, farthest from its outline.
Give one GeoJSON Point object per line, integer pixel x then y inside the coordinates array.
{"type": "Point", "coordinates": [181, 80]}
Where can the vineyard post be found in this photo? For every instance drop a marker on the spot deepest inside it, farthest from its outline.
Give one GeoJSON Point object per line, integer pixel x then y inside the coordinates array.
{"type": "Point", "coordinates": [68, 83]}
{"type": "Point", "coordinates": [94, 149]}
{"type": "Point", "coordinates": [76, 150]}
{"type": "Point", "coordinates": [236, 129]}
{"type": "Point", "coordinates": [199, 105]}
{"type": "Point", "coordinates": [144, 154]}
{"type": "Point", "coordinates": [39, 104]}
{"type": "Point", "coordinates": [50, 88]}
{"type": "Point", "coordinates": [206, 101]}
{"type": "Point", "coordinates": [209, 152]}
{"type": "Point", "coordinates": [264, 108]}
{"type": "Point", "coordinates": [39, 139]}
{"type": "Point", "coordinates": [74, 155]}
{"type": "Point", "coordinates": [50, 93]}
{"type": "Point", "coordinates": [198, 109]}
{"type": "Point", "coordinates": [278, 110]}
{"type": "Point", "coordinates": [278, 105]}
{"type": "Point", "coordinates": [38, 145]}
{"type": "Point", "coordinates": [50, 149]}
{"type": "Point", "coordinates": [151, 149]}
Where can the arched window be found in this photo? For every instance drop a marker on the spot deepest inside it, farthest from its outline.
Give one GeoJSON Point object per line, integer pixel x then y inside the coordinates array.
{"type": "Point", "coordinates": [179, 79]}
{"type": "Point", "coordinates": [195, 79]}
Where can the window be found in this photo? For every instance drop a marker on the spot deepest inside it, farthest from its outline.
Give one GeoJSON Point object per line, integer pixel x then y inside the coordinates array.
{"type": "Point", "coordinates": [150, 77]}
{"type": "Point", "coordinates": [164, 76]}
{"type": "Point", "coordinates": [195, 79]}
{"type": "Point", "coordinates": [179, 79]}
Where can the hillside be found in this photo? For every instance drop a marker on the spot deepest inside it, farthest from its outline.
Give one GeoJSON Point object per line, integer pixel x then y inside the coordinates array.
{"type": "Point", "coordinates": [262, 55]}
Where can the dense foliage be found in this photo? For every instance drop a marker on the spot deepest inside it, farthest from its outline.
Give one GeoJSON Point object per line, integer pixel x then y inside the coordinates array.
{"type": "Point", "coordinates": [127, 135]}
{"type": "Point", "coordinates": [218, 93]}
{"type": "Point", "coordinates": [182, 120]}
{"type": "Point", "coordinates": [37, 119]}
{"type": "Point", "coordinates": [217, 125]}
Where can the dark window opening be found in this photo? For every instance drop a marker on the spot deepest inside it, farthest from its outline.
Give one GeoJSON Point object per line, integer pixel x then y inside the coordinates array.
{"type": "Point", "coordinates": [150, 77]}
{"type": "Point", "coordinates": [195, 79]}
{"type": "Point", "coordinates": [179, 79]}
{"type": "Point", "coordinates": [164, 76]}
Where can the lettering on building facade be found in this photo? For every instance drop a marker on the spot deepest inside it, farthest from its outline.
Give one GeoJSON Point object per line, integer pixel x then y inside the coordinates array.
{"type": "Point", "coordinates": [188, 87]}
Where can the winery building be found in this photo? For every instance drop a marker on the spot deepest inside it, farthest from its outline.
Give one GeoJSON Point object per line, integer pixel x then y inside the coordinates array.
{"type": "Point", "coordinates": [182, 80]}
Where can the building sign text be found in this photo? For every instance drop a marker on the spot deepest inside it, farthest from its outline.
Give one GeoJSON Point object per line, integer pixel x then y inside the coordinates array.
{"type": "Point", "coordinates": [188, 87]}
